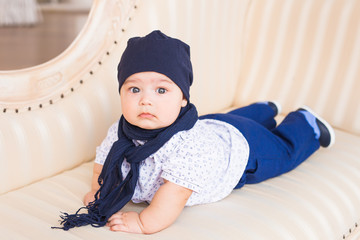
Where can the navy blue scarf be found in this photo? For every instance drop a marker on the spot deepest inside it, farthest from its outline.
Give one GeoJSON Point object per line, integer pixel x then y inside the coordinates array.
{"type": "Point", "coordinates": [115, 191]}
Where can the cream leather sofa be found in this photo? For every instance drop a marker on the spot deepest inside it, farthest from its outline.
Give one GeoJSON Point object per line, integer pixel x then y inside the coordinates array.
{"type": "Point", "coordinates": [297, 52]}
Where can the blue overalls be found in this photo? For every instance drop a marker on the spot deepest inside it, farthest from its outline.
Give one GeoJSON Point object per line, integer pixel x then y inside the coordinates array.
{"type": "Point", "coordinates": [274, 150]}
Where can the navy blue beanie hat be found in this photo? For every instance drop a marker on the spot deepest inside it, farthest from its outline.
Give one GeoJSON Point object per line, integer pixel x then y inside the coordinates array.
{"type": "Point", "coordinates": [157, 52]}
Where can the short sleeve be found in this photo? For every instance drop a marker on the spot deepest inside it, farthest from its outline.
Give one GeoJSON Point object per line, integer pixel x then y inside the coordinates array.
{"type": "Point", "coordinates": [103, 150]}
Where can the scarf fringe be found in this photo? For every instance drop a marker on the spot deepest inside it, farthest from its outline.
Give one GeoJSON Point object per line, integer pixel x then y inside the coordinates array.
{"type": "Point", "coordinates": [78, 219]}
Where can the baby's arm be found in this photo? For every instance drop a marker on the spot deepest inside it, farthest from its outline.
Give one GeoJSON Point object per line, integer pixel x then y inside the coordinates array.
{"type": "Point", "coordinates": [163, 210]}
{"type": "Point", "coordinates": [90, 196]}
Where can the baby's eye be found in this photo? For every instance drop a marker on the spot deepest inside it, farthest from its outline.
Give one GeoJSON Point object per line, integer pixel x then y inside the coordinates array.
{"type": "Point", "coordinates": [134, 90]}
{"type": "Point", "coordinates": [161, 90]}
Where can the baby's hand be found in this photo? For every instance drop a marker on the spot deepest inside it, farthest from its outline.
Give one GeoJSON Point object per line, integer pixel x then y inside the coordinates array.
{"type": "Point", "coordinates": [89, 197]}
{"type": "Point", "coordinates": [165, 207]}
{"type": "Point", "coordinates": [125, 222]}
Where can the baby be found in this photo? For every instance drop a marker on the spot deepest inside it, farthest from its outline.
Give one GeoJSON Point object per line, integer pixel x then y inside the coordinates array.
{"type": "Point", "coordinates": [162, 153]}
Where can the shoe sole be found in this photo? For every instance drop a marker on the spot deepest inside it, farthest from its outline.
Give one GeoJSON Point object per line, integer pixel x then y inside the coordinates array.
{"type": "Point", "coordinates": [326, 124]}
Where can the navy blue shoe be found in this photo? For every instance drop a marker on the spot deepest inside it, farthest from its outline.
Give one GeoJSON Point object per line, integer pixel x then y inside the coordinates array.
{"type": "Point", "coordinates": [275, 106]}
{"type": "Point", "coordinates": [325, 133]}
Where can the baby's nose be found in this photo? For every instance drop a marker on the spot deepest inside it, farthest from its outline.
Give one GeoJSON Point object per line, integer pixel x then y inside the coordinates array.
{"type": "Point", "coordinates": [145, 100]}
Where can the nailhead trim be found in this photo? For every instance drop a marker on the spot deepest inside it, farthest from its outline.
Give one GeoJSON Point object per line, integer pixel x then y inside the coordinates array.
{"type": "Point", "coordinates": [350, 230]}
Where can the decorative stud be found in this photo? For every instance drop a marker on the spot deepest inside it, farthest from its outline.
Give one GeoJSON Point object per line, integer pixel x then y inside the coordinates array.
{"type": "Point", "coordinates": [81, 81]}
{"type": "Point", "coordinates": [62, 95]}
{"type": "Point", "coordinates": [16, 110]}
{"type": "Point", "coordinates": [107, 53]}
{"type": "Point", "coordinates": [40, 105]}
{"type": "Point", "coordinates": [4, 111]}
{"type": "Point", "coordinates": [51, 101]}
{"type": "Point", "coordinates": [29, 109]}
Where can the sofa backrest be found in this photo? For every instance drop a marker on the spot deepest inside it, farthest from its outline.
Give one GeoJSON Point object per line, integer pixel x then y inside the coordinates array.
{"type": "Point", "coordinates": [54, 115]}
{"type": "Point", "coordinates": [304, 52]}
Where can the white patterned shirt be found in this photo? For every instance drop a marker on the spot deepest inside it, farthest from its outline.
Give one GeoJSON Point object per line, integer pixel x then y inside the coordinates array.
{"type": "Point", "coordinates": [208, 159]}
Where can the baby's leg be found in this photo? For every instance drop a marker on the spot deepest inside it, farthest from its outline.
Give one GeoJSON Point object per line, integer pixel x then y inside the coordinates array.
{"type": "Point", "coordinates": [280, 150]}
{"type": "Point", "coordinates": [262, 112]}
{"type": "Point", "coordinates": [273, 152]}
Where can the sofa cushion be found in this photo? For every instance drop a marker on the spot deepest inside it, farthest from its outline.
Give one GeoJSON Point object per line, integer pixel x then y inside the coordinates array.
{"type": "Point", "coordinates": [318, 200]}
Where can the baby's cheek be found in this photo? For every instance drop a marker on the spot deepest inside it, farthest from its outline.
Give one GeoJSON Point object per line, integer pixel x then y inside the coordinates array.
{"type": "Point", "coordinates": [170, 115]}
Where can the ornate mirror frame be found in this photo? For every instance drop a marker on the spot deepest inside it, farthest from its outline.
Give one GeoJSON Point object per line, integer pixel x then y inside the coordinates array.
{"type": "Point", "coordinates": [45, 84]}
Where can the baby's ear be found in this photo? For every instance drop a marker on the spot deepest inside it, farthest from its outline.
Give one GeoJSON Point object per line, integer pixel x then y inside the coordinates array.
{"type": "Point", "coordinates": [184, 102]}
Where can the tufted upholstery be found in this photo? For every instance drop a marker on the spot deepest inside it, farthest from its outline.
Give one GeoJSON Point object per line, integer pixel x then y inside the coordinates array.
{"type": "Point", "coordinates": [304, 52]}
{"type": "Point", "coordinates": [53, 116]}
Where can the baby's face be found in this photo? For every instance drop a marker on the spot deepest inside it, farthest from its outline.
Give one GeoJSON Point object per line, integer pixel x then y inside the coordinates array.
{"type": "Point", "coordinates": [151, 100]}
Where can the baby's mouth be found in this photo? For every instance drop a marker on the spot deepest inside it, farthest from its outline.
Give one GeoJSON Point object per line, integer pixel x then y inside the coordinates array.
{"type": "Point", "coordinates": [146, 115]}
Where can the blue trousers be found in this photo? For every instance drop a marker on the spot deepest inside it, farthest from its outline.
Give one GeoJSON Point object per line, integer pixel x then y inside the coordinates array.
{"type": "Point", "coordinates": [274, 150]}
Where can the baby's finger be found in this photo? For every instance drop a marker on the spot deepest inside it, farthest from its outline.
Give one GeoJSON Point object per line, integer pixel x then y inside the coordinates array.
{"type": "Point", "coordinates": [116, 215]}
{"type": "Point", "coordinates": [115, 221]}
{"type": "Point", "coordinates": [119, 228]}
